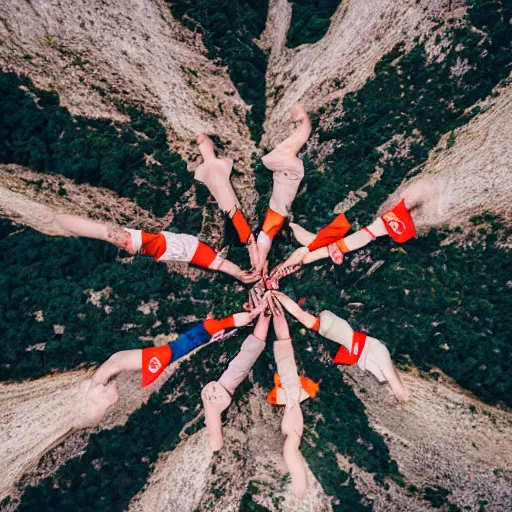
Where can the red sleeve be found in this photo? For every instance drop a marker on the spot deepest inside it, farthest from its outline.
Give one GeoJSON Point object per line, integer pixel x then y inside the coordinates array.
{"type": "Point", "coordinates": [213, 326]}
{"type": "Point", "coordinates": [204, 256]}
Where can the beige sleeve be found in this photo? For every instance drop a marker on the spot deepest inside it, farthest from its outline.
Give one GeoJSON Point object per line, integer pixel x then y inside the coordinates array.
{"type": "Point", "coordinates": [241, 365]}
{"type": "Point", "coordinates": [336, 329]}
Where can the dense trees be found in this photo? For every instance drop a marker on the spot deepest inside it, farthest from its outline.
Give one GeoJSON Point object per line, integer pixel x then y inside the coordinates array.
{"type": "Point", "coordinates": [310, 20]}
{"type": "Point", "coordinates": [434, 305]}
{"type": "Point", "coordinates": [445, 304]}
{"type": "Point", "coordinates": [37, 132]}
{"type": "Point", "coordinates": [229, 29]}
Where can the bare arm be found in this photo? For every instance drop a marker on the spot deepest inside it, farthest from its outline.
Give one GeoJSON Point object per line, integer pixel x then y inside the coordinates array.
{"type": "Point", "coordinates": [234, 270]}
{"type": "Point", "coordinates": [295, 310]}
{"type": "Point", "coordinates": [362, 237]}
{"type": "Point", "coordinates": [262, 325]}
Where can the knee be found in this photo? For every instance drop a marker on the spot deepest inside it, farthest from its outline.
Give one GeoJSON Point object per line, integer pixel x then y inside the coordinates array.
{"type": "Point", "coordinates": [209, 390]}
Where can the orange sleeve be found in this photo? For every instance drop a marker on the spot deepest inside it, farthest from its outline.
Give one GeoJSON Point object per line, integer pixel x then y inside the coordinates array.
{"type": "Point", "coordinates": [204, 256]}
{"type": "Point", "coordinates": [273, 223]}
{"type": "Point", "coordinates": [337, 229]}
{"type": "Point", "coordinates": [213, 326]}
{"type": "Point", "coordinates": [242, 227]}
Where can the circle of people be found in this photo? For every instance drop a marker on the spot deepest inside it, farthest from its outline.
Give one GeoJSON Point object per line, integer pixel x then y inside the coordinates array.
{"type": "Point", "coordinates": [265, 302]}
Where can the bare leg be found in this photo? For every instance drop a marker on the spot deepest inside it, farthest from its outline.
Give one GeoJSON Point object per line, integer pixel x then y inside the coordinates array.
{"type": "Point", "coordinates": [287, 167]}
{"type": "Point", "coordinates": [300, 136]}
{"type": "Point", "coordinates": [102, 394]}
{"type": "Point", "coordinates": [295, 461]}
{"type": "Point", "coordinates": [214, 173]}
{"type": "Point", "coordinates": [215, 399]}
{"type": "Point", "coordinates": [292, 145]}
{"type": "Point", "coordinates": [216, 396]}
{"type": "Point", "coordinates": [292, 424]}
{"type": "Point", "coordinates": [80, 226]}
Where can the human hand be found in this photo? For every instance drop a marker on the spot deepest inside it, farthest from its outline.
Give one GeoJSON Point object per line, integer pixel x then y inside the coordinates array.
{"type": "Point", "coordinates": [289, 266]}
{"type": "Point", "coordinates": [247, 317]}
{"type": "Point", "coordinates": [248, 276]}
{"type": "Point", "coordinates": [280, 323]}
{"type": "Point", "coordinates": [256, 294]}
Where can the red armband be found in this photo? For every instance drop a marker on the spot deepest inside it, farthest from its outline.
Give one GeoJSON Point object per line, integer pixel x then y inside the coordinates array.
{"type": "Point", "coordinates": [154, 362]}
{"type": "Point", "coordinates": [153, 245]}
{"type": "Point", "coordinates": [273, 223]}
{"type": "Point", "coordinates": [344, 356]}
{"type": "Point", "coordinates": [213, 326]}
{"type": "Point", "coordinates": [242, 227]}
{"type": "Point", "coordinates": [399, 224]}
{"type": "Point", "coordinates": [337, 229]}
{"type": "Point", "coordinates": [204, 256]}
{"type": "Point", "coordinates": [316, 325]}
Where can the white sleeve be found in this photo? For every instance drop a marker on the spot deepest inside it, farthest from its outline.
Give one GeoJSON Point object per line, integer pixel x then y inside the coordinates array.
{"type": "Point", "coordinates": [180, 247]}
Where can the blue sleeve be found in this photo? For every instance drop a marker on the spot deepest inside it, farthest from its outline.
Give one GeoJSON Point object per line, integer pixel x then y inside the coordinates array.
{"type": "Point", "coordinates": [189, 340]}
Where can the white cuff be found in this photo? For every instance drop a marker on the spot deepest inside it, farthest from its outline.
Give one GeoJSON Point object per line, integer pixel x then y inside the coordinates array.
{"type": "Point", "coordinates": [136, 236]}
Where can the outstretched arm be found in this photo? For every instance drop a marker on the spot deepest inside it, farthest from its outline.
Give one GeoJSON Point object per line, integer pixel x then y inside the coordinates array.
{"type": "Point", "coordinates": [295, 310]}
{"type": "Point", "coordinates": [234, 270]}
{"type": "Point", "coordinates": [81, 226]}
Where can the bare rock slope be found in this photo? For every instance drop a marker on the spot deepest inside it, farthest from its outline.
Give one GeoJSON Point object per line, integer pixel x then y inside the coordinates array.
{"type": "Point", "coordinates": [473, 175]}
{"type": "Point", "coordinates": [95, 54]}
{"type": "Point", "coordinates": [359, 35]}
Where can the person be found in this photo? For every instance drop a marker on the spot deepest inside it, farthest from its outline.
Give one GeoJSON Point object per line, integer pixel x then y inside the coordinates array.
{"type": "Point", "coordinates": [164, 246]}
{"type": "Point", "coordinates": [215, 173]}
{"type": "Point", "coordinates": [151, 362]}
{"type": "Point", "coordinates": [290, 390]}
{"type": "Point", "coordinates": [288, 171]}
{"type": "Point", "coordinates": [368, 353]}
{"type": "Point", "coordinates": [332, 242]}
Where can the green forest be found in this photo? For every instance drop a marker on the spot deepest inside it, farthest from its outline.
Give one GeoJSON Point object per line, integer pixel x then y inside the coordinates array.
{"type": "Point", "coordinates": [229, 28]}
{"type": "Point", "coordinates": [456, 296]}
{"type": "Point", "coordinates": [310, 21]}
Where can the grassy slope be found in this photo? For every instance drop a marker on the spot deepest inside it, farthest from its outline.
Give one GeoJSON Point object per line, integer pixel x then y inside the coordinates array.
{"type": "Point", "coordinates": [310, 21]}
{"type": "Point", "coordinates": [229, 29]}
{"type": "Point", "coordinates": [454, 296]}
{"type": "Point", "coordinates": [47, 138]}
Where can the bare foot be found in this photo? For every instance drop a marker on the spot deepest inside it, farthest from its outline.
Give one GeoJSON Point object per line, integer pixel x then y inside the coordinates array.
{"type": "Point", "coordinates": [215, 400]}
{"type": "Point", "coordinates": [376, 359]}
